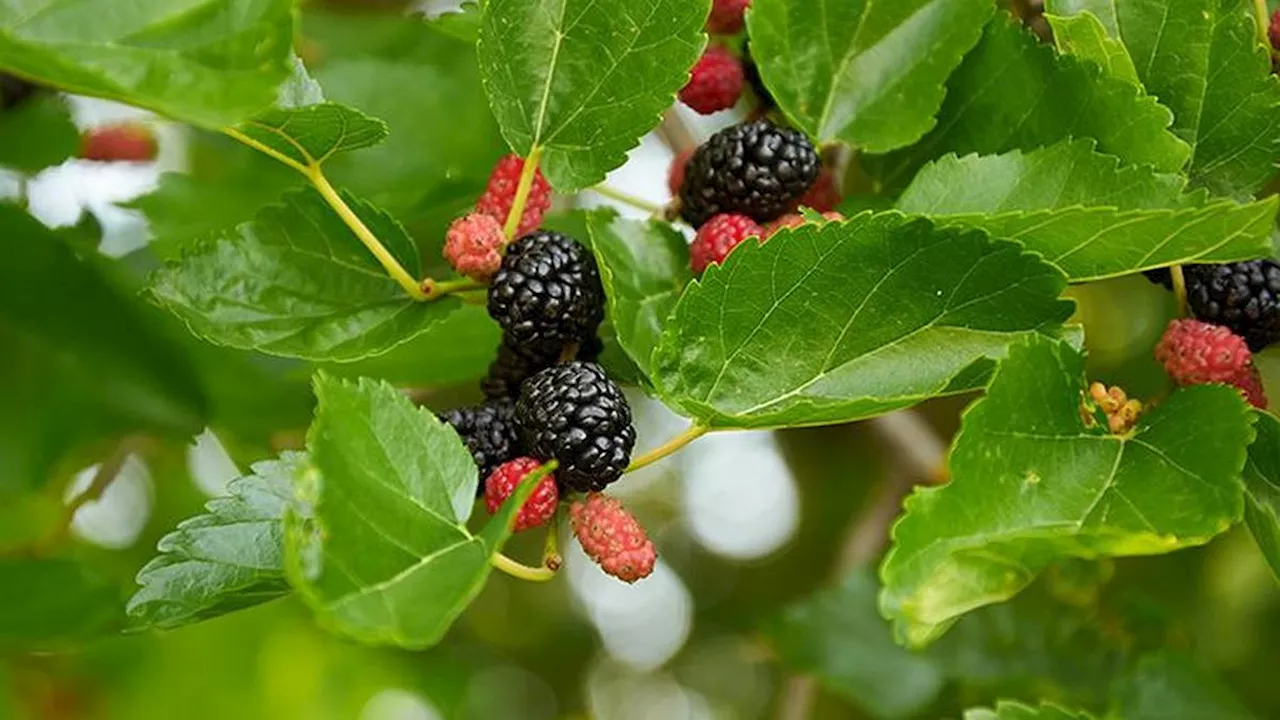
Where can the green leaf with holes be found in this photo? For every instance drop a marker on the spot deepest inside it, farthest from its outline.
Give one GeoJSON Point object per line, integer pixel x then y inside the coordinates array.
{"type": "Point", "coordinates": [208, 62]}
{"type": "Point", "coordinates": [377, 543]}
{"type": "Point", "coordinates": [846, 320]}
{"type": "Point", "coordinates": [228, 559]}
{"type": "Point", "coordinates": [1032, 482]}
{"type": "Point", "coordinates": [297, 282]}
{"type": "Point", "coordinates": [865, 73]}
{"type": "Point", "coordinates": [584, 80]}
{"type": "Point", "coordinates": [1086, 213]}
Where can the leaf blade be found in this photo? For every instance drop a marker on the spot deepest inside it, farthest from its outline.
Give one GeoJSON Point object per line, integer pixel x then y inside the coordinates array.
{"type": "Point", "coordinates": [561, 94]}
{"type": "Point", "coordinates": [831, 298]}
{"type": "Point", "coordinates": [872, 87]}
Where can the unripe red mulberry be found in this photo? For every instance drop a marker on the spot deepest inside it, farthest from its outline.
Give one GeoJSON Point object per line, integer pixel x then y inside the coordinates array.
{"type": "Point", "coordinates": [612, 537]}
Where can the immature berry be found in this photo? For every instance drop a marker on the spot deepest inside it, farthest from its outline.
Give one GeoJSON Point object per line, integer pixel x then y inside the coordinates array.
{"type": "Point", "coordinates": [547, 293]}
{"type": "Point", "coordinates": [726, 16]}
{"type": "Point", "coordinates": [755, 169]}
{"type": "Point", "coordinates": [717, 237]}
{"type": "Point", "coordinates": [14, 91]}
{"type": "Point", "coordinates": [501, 193]}
{"type": "Point", "coordinates": [540, 506]}
{"type": "Point", "coordinates": [823, 196]}
{"type": "Point", "coordinates": [675, 175]}
{"type": "Point", "coordinates": [612, 537]}
{"type": "Point", "coordinates": [575, 414]}
{"type": "Point", "coordinates": [1250, 386]}
{"type": "Point", "coordinates": [489, 432]}
{"type": "Point", "coordinates": [473, 246]}
{"type": "Point", "coordinates": [715, 82]}
{"type": "Point", "coordinates": [791, 220]}
{"type": "Point", "coordinates": [1195, 352]}
{"type": "Point", "coordinates": [1273, 31]}
{"type": "Point", "coordinates": [128, 142]}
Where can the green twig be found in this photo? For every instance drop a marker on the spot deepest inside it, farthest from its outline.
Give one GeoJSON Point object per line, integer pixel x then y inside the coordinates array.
{"type": "Point", "coordinates": [636, 202]}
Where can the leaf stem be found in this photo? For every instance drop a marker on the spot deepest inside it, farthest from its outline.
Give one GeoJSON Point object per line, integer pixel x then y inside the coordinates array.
{"type": "Point", "coordinates": [527, 174]}
{"type": "Point", "coordinates": [693, 432]}
{"type": "Point", "coordinates": [1179, 289]}
{"type": "Point", "coordinates": [312, 172]}
{"type": "Point", "coordinates": [434, 289]}
{"type": "Point", "coordinates": [520, 570]}
{"type": "Point", "coordinates": [636, 202]}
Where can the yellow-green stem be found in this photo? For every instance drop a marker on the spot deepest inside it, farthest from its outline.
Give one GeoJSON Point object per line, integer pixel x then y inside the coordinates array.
{"type": "Point", "coordinates": [522, 193]}
{"type": "Point", "coordinates": [1179, 289]}
{"type": "Point", "coordinates": [362, 231]}
{"type": "Point", "coordinates": [315, 175]}
{"type": "Point", "coordinates": [519, 570]}
{"type": "Point", "coordinates": [551, 559]}
{"type": "Point", "coordinates": [667, 448]}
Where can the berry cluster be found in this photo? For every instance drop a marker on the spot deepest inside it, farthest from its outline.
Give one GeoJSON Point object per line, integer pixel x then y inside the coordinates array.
{"type": "Point", "coordinates": [546, 397]}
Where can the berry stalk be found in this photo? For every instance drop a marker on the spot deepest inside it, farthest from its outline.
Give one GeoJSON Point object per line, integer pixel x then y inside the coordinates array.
{"type": "Point", "coordinates": [436, 289]}
{"type": "Point", "coordinates": [1179, 289]}
{"type": "Point", "coordinates": [520, 570]}
{"type": "Point", "coordinates": [669, 447]}
{"type": "Point", "coordinates": [522, 193]}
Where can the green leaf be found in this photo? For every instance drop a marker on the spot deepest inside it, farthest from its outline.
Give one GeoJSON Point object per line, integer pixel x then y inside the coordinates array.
{"type": "Point", "coordinates": [297, 282]}
{"type": "Point", "coordinates": [1032, 483]}
{"type": "Point", "coordinates": [585, 79]}
{"type": "Point", "coordinates": [311, 134]}
{"type": "Point", "coordinates": [376, 543]}
{"type": "Point", "coordinates": [1010, 710]}
{"type": "Point", "coordinates": [1085, 213]}
{"type": "Point", "coordinates": [211, 63]}
{"type": "Point", "coordinates": [81, 359]}
{"type": "Point", "coordinates": [456, 350]}
{"type": "Point", "coordinates": [1204, 61]}
{"type": "Point", "coordinates": [52, 603]}
{"type": "Point", "coordinates": [48, 135]}
{"type": "Point", "coordinates": [644, 267]}
{"type": "Point", "coordinates": [228, 559]}
{"type": "Point", "coordinates": [1086, 37]}
{"type": "Point", "coordinates": [1262, 489]}
{"type": "Point", "coordinates": [836, 322]}
{"type": "Point", "coordinates": [868, 74]}
{"type": "Point", "coordinates": [1168, 686]}
{"type": "Point", "coordinates": [1012, 92]}
{"type": "Point", "coordinates": [837, 637]}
